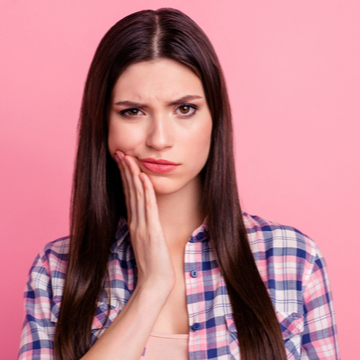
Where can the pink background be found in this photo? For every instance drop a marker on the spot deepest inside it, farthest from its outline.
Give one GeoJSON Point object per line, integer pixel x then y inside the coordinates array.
{"type": "Point", "coordinates": [292, 69]}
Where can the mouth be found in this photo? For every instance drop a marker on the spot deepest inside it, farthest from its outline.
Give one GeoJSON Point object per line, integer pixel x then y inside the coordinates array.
{"type": "Point", "coordinates": [158, 165]}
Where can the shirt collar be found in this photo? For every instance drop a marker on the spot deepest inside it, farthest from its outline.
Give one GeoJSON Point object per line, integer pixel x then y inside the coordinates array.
{"type": "Point", "coordinates": [200, 234]}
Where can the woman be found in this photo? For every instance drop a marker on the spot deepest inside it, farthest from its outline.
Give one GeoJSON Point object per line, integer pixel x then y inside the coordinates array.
{"type": "Point", "coordinates": [161, 262]}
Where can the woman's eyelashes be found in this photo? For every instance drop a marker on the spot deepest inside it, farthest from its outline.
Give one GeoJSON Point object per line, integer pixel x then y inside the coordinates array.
{"type": "Point", "coordinates": [185, 110]}
{"type": "Point", "coordinates": [130, 112]}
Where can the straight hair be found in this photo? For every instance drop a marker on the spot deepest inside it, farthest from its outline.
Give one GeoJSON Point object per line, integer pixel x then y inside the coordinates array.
{"type": "Point", "coordinates": [98, 200]}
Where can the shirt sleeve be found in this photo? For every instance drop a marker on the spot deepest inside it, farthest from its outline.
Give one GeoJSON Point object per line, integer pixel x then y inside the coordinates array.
{"type": "Point", "coordinates": [319, 340]}
{"type": "Point", "coordinates": [38, 329]}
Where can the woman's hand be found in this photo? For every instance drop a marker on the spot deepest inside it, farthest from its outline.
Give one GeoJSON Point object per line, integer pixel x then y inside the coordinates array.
{"type": "Point", "coordinates": [127, 335]}
{"type": "Point", "coordinates": [148, 240]}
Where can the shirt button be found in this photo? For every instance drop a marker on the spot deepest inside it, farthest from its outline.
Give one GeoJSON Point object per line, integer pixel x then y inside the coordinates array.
{"type": "Point", "coordinates": [194, 273]}
{"type": "Point", "coordinates": [196, 326]}
{"type": "Point", "coordinates": [200, 236]}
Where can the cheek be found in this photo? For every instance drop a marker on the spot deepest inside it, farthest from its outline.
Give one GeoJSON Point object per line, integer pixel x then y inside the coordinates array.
{"type": "Point", "coordinates": [199, 145]}
{"type": "Point", "coordinates": [121, 138]}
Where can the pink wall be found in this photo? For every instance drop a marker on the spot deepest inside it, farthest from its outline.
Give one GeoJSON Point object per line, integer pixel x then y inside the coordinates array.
{"type": "Point", "coordinates": [293, 76]}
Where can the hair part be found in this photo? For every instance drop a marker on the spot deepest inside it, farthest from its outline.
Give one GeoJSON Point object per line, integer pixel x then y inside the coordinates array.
{"type": "Point", "coordinates": [98, 200]}
{"type": "Point", "coordinates": [156, 39]}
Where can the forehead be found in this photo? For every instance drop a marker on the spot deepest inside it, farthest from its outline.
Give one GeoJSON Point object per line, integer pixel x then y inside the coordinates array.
{"type": "Point", "coordinates": [161, 78]}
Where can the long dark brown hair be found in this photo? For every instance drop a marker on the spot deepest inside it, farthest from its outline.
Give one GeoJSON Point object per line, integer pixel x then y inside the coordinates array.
{"type": "Point", "coordinates": [98, 199]}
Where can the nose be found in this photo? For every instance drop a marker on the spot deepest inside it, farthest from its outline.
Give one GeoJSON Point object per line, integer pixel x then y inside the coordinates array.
{"type": "Point", "coordinates": [161, 133]}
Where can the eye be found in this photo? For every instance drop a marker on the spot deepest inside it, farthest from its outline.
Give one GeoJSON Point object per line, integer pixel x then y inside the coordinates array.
{"type": "Point", "coordinates": [187, 109]}
{"type": "Point", "coordinates": [130, 112]}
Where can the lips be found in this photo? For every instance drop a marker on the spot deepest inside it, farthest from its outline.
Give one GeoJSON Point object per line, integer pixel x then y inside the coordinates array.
{"type": "Point", "coordinates": [158, 165]}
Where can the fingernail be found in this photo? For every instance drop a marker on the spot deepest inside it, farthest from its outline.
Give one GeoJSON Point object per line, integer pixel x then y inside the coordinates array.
{"type": "Point", "coordinates": [117, 159]}
{"type": "Point", "coordinates": [119, 156]}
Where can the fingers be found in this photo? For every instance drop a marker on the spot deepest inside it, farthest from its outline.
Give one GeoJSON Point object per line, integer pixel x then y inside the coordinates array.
{"type": "Point", "coordinates": [147, 235]}
{"type": "Point", "coordinates": [133, 190]}
{"type": "Point", "coordinates": [151, 210]}
{"type": "Point", "coordinates": [124, 181]}
{"type": "Point", "coordinates": [137, 188]}
{"type": "Point", "coordinates": [132, 209]}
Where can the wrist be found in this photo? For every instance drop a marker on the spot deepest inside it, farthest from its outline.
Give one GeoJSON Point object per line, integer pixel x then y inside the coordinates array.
{"type": "Point", "coordinates": [155, 288]}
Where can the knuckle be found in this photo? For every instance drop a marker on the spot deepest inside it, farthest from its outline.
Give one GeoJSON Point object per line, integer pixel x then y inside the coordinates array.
{"type": "Point", "coordinates": [138, 195]}
{"type": "Point", "coordinates": [151, 202]}
{"type": "Point", "coordinates": [132, 227]}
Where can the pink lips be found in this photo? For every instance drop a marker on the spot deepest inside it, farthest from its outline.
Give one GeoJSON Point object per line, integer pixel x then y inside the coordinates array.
{"type": "Point", "coordinates": [158, 165]}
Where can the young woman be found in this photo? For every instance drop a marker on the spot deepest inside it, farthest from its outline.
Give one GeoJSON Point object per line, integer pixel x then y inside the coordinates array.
{"type": "Point", "coordinates": [160, 262]}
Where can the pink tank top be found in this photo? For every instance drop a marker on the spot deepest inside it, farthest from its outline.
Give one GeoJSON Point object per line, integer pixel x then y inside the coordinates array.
{"type": "Point", "coordinates": [161, 346]}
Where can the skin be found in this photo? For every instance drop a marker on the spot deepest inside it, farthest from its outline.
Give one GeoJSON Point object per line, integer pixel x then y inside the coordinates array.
{"type": "Point", "coordinates": [163, 209]}
{"type": "Point", "coordinates": [174, 132]}
{"type": "Point", "coordinates": [178, 133]}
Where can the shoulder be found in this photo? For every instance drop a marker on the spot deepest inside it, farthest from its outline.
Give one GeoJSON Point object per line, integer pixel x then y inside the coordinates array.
{"type": "Point", "coordinates": [42, 298]}
{"type": "Point", "coordinates": [50, 263]}
{"type": "Point", "coordinates": [271, 239]}
{"type": "Point", "coordinates": [287, 260]}
{"type": "Point", "coordinates": [55, 252]}
{"type": "Point", "coordinates": [294, 272]}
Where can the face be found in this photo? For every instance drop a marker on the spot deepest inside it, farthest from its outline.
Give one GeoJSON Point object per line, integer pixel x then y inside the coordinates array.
{"type": "Point", "coordinates": [159, 114]}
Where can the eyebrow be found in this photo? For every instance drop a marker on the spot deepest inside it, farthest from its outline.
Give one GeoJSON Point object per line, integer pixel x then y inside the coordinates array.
{"type": "Point", "coordinates": [179, 101]}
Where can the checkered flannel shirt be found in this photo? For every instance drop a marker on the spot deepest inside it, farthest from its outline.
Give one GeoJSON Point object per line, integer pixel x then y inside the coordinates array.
{"type": "Point", "coordinates": [290, 264]}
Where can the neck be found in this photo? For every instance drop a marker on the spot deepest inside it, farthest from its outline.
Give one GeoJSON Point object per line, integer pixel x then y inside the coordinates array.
{"type": "Point", "coordinates": [180, 213]}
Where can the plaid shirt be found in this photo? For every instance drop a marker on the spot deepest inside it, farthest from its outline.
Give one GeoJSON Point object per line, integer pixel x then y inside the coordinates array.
{"type": "Point", "coordinates": [290, 265]}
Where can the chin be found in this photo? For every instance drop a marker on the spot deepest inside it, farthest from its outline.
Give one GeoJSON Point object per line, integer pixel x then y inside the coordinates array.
{"type": "Point", "coordinates": [166, 186]}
